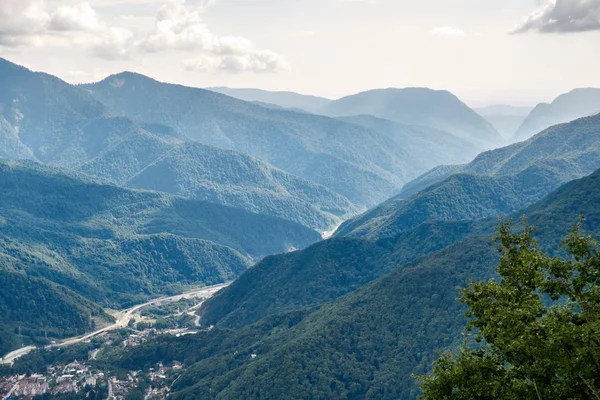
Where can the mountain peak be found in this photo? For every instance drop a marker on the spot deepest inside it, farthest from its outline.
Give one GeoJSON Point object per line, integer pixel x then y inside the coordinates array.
{"type": "Point", "coordinates": [439, 109]}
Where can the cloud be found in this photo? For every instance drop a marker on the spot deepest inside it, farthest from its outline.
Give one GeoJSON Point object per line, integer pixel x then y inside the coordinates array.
{"type": "Point", "coordinates": [178, 26]}
{"type": "Point", "coordinates": [78, 17]}
{"type": "Point", "coordinates": [264, 61]}
{"type": "Point", "coordinates": [181, 27]}
{"type": "Point", "coordinates": [561, 16]}
{"type": "Point", "coordinates": [21, 21]}
{"type": "Point", "coordinates": [113, 43]}
{"type": "Point", "coordinates": [448, 31]}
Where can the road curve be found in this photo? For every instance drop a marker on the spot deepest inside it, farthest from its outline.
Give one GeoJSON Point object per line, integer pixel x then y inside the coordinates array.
{"type": "Point", "coordinates": [121, 322]}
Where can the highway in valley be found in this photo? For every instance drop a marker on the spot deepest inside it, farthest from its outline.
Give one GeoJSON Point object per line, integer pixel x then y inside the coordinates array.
{"type": "Point", "coordinates": [122, 320]}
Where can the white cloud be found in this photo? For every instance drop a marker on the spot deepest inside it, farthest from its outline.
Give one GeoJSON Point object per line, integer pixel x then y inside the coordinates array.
{"type": "Point", "coordinates": [559, 16]}
{"type": "Point", "coordinates": [264, 61]}
{"type": "Point", "coordinates": [448, 31]}
{"type": "Point", "coordinates": [113, 43]}
{"type": "Point", "coordinates": [78, 17]}
{"type": "Point", "coordinates": [21, 21]}
{"type": "Point", "coordinates": [180, 27]}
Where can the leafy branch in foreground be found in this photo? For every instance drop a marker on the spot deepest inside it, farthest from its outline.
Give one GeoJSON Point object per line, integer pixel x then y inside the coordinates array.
{"type": "Point", "coordinates": [539, 326]}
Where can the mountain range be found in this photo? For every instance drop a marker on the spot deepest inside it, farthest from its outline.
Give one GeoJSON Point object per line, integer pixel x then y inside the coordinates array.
{"type": "Point", "coordinates": [497, 182]}
{"type": "Point", "coordinates": [74, 231]}
{"type": "Point", "coordinates": [505, 118]}
{"type": "Point", "coordinates": [353, 160]}
{"type": "Point", "coordinates": [290, 100]}
{"type": "Point", "coordinates": [50, 121]}
{"type": "Point", "coordinates": [567, 107]}
{"type": "Point", "coordinates": [365, 344]}
{"type": "Point", "coordinates": [437, 109]}
{"type": "Point", "coordinates": [124, 190]}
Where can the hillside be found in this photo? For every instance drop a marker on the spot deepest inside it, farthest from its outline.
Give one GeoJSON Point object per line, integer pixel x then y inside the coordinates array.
{"type": "Point", "coordinates": [567, 107]}
{"type": "Point", "coordinates": [45, 119]}
{"type": "Point", "coordinates": [322, 272]}
{"type": "Point", "coordinates": [289, 100]}
{"type": "Point", "coordinates": [220, 176]}
{"type": "Point", "coordinates": [420, 106]}
{"type": "Point", "coordinates": [34, 309]}
{"type": "Point", "coordinates": [355, 347]}
{"type": "Point", "coordinates": [356, 162]}
{"type": "Point", "coordinates": [425, 147]}
{"type": "Point", "coordinates": [497, 182]}
{"type": "Point", "coordinates": [114, 245]}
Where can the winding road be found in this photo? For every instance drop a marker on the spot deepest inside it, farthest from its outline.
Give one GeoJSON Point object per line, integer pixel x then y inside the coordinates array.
{"type": "Point", "coordinates": [122, 320]}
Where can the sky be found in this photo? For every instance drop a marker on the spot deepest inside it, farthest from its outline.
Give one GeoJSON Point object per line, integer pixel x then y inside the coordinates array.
{"type": "Point", "coordinates": [517, 52]}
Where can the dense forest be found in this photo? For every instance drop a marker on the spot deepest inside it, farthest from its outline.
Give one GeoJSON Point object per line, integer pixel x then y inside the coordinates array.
{"type": "Point", "coordinates": [35, 310]}
{"type": "Point", "coordinates": [368, 343]}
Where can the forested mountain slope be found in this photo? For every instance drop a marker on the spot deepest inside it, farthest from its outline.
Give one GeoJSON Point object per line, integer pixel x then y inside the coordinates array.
{"type": "Point", "coordinates": [367, 343]}
{"type": "Point", "coordinates": [33, 308]}
{"type": "Point", "coordinates": [496, 182]}
{"type": "Point", "coordinates": [221, 176]}
{"type": "Point", "coordinates": [361, 164]}
{"type": "Point", "coordinates": [426, 147]}
{"type": "Point", "coordinates": [116, 245]}
{"type": "Point", "coordinates": [43, 118]}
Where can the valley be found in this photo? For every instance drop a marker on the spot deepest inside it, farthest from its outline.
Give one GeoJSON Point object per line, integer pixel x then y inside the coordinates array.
{"type": "Point", "coordinates": [264, 200]}
{"type": "Point", "coordinates": [122, 319]}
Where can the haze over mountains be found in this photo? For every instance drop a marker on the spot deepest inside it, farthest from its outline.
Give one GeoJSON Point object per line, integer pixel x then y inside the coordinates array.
{"type": "Point", "coordinates": [291, 100]}
{"type": "Point", "coordinates": [565, 108]}
{"type": "Point", "coordinates": [352, 160]}
{"type": "Point", "coordinates": [505, 118]}
{"type": "Point", "coordinates": [55, 123]}
{"type": "Point", "coordinates": [497, 182]}
{"type": "Point", "coordinates": [420, 106]}
{"type": "Point", "coordinates": [124, 190]}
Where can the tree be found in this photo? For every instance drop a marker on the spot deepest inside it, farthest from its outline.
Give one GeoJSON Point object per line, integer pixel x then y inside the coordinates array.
{"type": "Point", "coordinates": [536, 330]}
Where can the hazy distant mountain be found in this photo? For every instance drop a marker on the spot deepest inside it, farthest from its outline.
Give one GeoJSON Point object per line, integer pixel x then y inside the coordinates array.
{"type": "Point", "coordinates": [283, 99]}
{"type": "Point", "coordinates": [506, 119]}
{"type": "Point", "coordinates": [567, 107]}
{"type": "Point", "coordinates": [43, 118]}
{"type": "Point", "coordinates": [361, 164]}
{"type": "Point", "coordinates": [497, 182]}
{"type": "Point", "coordinates": [437, 109]}
{"type": "Point", "coordinates": [425, 147]}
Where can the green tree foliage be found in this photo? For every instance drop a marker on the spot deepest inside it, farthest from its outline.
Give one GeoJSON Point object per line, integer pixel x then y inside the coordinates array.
{"type": "Point", "coordinates": [36, 310]}
{"type": "Point", "coordinates": [539, 324]}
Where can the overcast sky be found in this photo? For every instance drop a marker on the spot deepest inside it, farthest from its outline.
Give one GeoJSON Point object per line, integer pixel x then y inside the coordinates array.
{"type": "Point", "coordinates": [486, 51]}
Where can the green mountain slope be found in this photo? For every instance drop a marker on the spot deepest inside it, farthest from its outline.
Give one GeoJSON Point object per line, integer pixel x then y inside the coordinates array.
{"type": "Point", "coordinates": [34, 309]}
{"type": "Point", "coordinates": [420, 106]}
{"type": "Point", "coordinates": [567, 107]}
{"type": "Point", "coordinates": [322, 272]}
{"type": "Point", "coordinates": [115, 245]}
{"type": "Point", "coordinates": [365, 344]}
{"type": "Point", "coordinates": [43, 118]}
{"type": "Point", "coordinates": [361, 164]}
{"type": "Point", "coordinates": [225, 177]}
{"type": "Point", "coordinates": [496, 182]}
